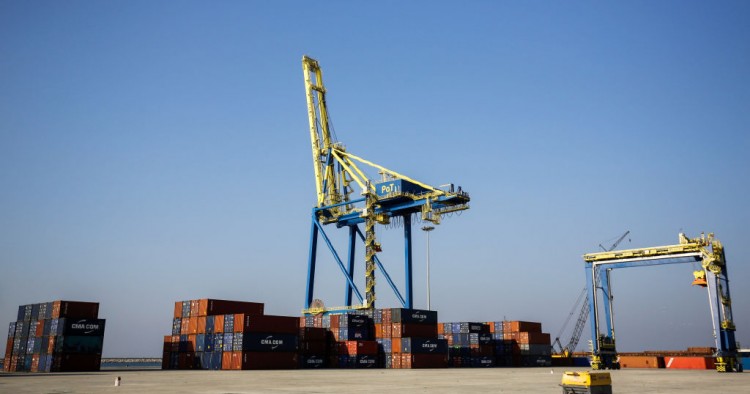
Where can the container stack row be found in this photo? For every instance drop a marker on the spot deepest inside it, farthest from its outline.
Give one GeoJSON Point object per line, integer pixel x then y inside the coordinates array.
{"type": "Point", "coordinates": [58, 336]}
{"type": "Point", "coordinates": [471, 344]}
{"type": "Point", "coordinates": [496, 344]}
{"type": "Point", "coordinates": [408, 339]}
{"type": "Point", "coordinates": [221, 334]}
{"type": "Point", "coordinates": [531, 346]}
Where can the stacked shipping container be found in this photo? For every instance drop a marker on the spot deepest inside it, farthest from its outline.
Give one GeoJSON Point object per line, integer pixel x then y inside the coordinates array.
{"type": "Point", "coordinates": [508, 343]}
{"type": "Point", "coordinates": [532, 347]}
{"type": "Point", "coordinates": [220, 334]}
{"type": "Point", "coordinates": [471, 344]}
{"type": "Point", "coordinates": [353, 344]}
{"type": "Point", "coordinates": [408, 338]}
{"type": "Point", "coordinates": [58, 336]}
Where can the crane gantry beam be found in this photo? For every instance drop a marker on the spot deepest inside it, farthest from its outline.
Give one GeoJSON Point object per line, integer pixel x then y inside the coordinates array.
{"type": "Point", "coordinates": [704, 249]}
{"type": "Point", "coordinates": [337, 173]}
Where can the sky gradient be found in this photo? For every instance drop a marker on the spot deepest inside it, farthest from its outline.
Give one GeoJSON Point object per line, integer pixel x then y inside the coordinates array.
{"type": "Point", "coordinates": [155, 151]}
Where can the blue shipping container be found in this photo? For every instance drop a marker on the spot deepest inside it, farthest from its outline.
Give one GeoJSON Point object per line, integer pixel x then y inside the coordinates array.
{"type": "Point", "coordinates": [227, 343]}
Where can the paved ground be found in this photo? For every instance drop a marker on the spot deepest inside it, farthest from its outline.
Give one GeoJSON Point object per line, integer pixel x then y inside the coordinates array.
{"type": "Point", "coordinates": [495, 380]}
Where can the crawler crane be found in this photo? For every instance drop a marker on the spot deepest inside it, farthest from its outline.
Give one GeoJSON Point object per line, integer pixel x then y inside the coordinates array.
{"type": "Point", "coordinates": [395, 196]}
{"type": "Point", "coordinates": [705, 249]}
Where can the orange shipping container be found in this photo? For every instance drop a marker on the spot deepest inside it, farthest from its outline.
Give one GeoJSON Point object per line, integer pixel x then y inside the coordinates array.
{"type": "Point", "coordinates": [689, 362]}
{"type": "Point", "coordinates": [396, 360]}
{"type": "Point", "coordinates": [193, 325]}
{"type": "Point", "coordinates": [184, 326]}
{"type": "Point", "coordinates": [535, 338]}
{"type": "Point", "coordinates": [226, 360]}
{"type": "Point", "coordinates": [194, 306]}
{"type": "Point", "coordinates": [219, 324]}
{"type": "Point", "coordinates": [40, 329]}
{"type": "Point", "coordinates": [201, 324]}
{"type": "Point", "coordinates": [236, 360]}
{"type": "Point", "coordinates": [641, 362]}
{"type": "Point", "coordinates": [395, 345]}
{"type": "Point", "coordinates": [378, 330]}
{"type": "Point", "coordinates": [178, 309]}
{"type": "Point", "coordinates": [192, 344]}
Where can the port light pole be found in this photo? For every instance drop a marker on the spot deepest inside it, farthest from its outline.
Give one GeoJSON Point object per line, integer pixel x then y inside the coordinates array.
{"type": "Point", "coordinates": [427, 229]}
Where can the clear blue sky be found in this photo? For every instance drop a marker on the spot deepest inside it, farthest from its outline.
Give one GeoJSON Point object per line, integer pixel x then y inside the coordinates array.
{"type": "Point", "coordinates": [159, 151]}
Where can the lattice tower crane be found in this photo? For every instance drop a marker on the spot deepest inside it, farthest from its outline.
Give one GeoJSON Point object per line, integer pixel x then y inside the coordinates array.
{"type": "Point", "coordinates": [567, 350]}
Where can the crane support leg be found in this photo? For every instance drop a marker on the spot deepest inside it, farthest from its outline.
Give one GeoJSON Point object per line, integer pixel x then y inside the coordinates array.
{"type": "Point", "coordinates": [311, 263]}
{"type": "Point", "coordinates": [352, 247]}
{"type": "Point", "coordinates": [409, 302]}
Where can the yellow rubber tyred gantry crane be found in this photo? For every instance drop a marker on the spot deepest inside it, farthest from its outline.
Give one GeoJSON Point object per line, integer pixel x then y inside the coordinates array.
{"type": "Point", "coordinates": [713, 275]}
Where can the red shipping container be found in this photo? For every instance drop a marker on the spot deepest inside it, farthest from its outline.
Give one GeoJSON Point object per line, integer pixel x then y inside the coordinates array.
{"type": "Point", "coordinates": [88, 310]}
{"type": "Point", "coordinates": [39, 329]}
{"type": "Point", "coordinates": [525, 326]}
{"type": "Point", "coordinates": [312, 348]}
{"type": "Point", "coordinates": [410, 360]}
{"type": "Point", "coordinates": [334, 323]}
{"type": "Point", "coordinates": [51, 345]}
{"type": "Point", "coordinates": [186, 360]}
{"type": "Point", "coordinates": [218, 324]}
{"type": "Point", "coordinates": [8, 349]}
{"type": "Point", "coordinates": [165, 358]}
{"type": "Point", "coordinates": [265, 323]}
{"type": "Point", "coordinates": [689, 362]}
{"type": "Point", "coordinates": [414, 330]}
{"type": "Point", "coordinates": [35, 363]}
{"type": "Point", "coordinates": [178, 309]}
{"type": "Point", "coordinates": [201, 324]}
{"type": "Point", "coordinates": [269, 360]}
{"type": "Point", "coordinates": [209, 307]}
{"type": "Point", "coordinates": [641, 362]}
{"type": "Point", "coordinates": [355, 348]}
{"type": "Point", "coordinates": [313, 333]}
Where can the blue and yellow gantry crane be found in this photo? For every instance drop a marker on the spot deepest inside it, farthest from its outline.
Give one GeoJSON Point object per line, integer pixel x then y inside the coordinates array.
{"type": "Point", "coordinates": [337, 174]}
{"type": "Point", "coordinates": [713, 275]}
